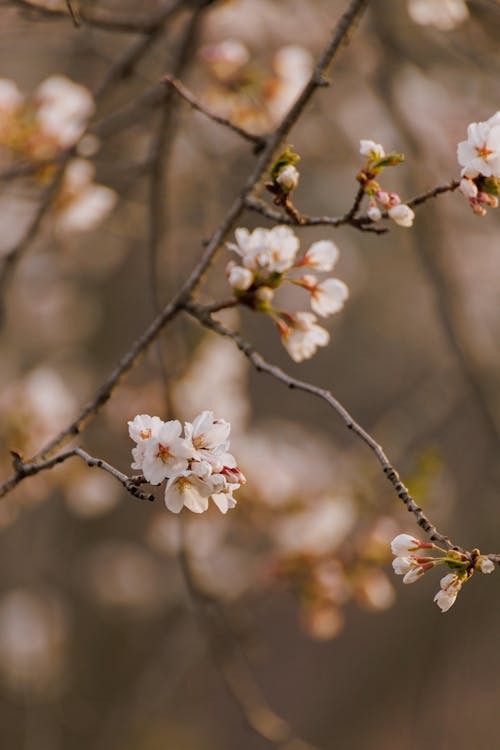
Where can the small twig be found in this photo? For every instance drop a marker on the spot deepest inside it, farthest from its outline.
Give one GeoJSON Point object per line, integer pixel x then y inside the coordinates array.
{"type": "Point", "coordinates": [97, 17]}
{"type": "Point", "coordinates": [364, 224]}
{"type": "Point", "coordinates": [183, 92]}
{"type": "Point", "coordinates": [23, 470]}
{"type": "Point", "coordinates": [261, 365]}
{"type": "Point", "coordinates": [13, 256]}
{"type": "Point", "coordinates": [74, 13]}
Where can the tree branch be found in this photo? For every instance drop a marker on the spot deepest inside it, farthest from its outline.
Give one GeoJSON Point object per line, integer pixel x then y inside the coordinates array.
{"type": "Point", "coordinates": [23, 470]}
{"type": "Point", "coordinates": [183, 92]}
{"type": "Point", "coordinates": [261, 365]}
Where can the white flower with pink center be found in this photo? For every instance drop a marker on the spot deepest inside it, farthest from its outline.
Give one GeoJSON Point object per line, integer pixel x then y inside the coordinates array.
{"type": "Point", "coordinates": [266, 250]}
{"type": "Point", "coordinates": [480, 153]}
{"type": "Point", "coordinates": [321, 256]}
{"type": "Point", "coordinates": [301, 335]}
{"type": "Point", "coordinates": [328, 296]}
{"type": "Point", "coordinates": [165, 453]}
{"type": "Point", "coordinates": [207, 437]}
{"type": "Point", "coordinates": [187, 490]}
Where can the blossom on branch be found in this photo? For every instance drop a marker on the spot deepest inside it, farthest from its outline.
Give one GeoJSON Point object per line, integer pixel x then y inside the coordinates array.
{"type": "Point", "coordinates": [267, 255]}
{"type": "Point", "coordinates": [480, 153]}
{"type": "Point", "coordinates": [196, 464]}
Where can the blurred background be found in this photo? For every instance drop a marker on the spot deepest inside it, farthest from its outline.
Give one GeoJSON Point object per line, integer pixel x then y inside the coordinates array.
{"type": "Point", "coordinates": [290, 603]}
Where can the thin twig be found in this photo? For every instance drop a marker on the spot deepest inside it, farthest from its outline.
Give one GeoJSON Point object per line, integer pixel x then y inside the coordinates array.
{"type": "Point", "coordinates": [190, 98]}
{"type": "Point", "coordinates": [363, 223]}
{"type": "Point", "coordinates": [24, 469]}
{"type": "Point", "coordinates": [261, 365]}
{"type": "Point", "coordinates": [97, 17]}
{"type": "Point", "coordinates": [13, 256]}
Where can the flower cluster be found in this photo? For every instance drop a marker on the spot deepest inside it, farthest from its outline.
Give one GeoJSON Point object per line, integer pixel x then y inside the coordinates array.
{"type": "Point", "coordinates": [381, 200]}
{"type": "Point", "coordinates": [196, 465]}
{"type": "Point", "coordinates": [413, 566]}
{"type": "Point", "coordinates": [267, 255]}
{"type": "Point", "coordinates": [54, 118]}
{"type": "Point", "coordinates": [479, 157]}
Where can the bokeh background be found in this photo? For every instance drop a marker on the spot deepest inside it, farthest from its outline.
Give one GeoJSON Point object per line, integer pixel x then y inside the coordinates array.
{"type": "Point", "coordinates": [102, 642]}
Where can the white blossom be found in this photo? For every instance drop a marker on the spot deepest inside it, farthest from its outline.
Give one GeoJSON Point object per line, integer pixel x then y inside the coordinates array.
{"type": "Point", "coordinates": [240, 278]}
{"type": "Point", "coordinates": [403, 544]}
{"type": "Point", "coordinates": [445, 599]}
{"type": "Point", "coordinates": [187, 490]}
{"type": "Point", "coordinates": [468, 188]}
{"type": "Point", "coordinates": [302, 336]}
{"type": "Point", "coordinates": [63, 110]}
{"type": "Point", "coordinates": [328, 297]}
{"type": "Point", "coordinates": [321, 256]}
{"type": "Point", "coordinates": [402, 215]}
{"type": "Point", "coordinates": [207, 438]}
{"type": "Point", "coordinates": [480, 153]}
{"type": "Point", "coordinates": [443, 14]}
{"type": "Point", "coordinates": [83, 203]}
{"type": "Point", "coordinates": [288, 178]}
{"type": "Point", "coordinates": [268, 250]}
{"type": "Point", "coordinates": [401, 565]}
{"type": "Point", "coordinates": [143, 427]}
{"type": "Point", "coordinates": [165, 453]}
{"type": "Point", "coordinates": [486, 565]}
{"type": "Point", "coordinates": [11, 99]}
{"type": "Point", "coordinates": [372, 150]}
{"type": "Point", "coordinates": [374, 212]}
{"type": "Point", "coordinates": [414, 574]}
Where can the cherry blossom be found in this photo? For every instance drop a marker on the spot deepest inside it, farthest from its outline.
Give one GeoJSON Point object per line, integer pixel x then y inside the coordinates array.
{"type": "Point", "coordinates": [196, 464]}
{"type": "Point", "coordinates": [266, 250]}
{"type": "Point", "coordinates": [321, 256]}
{"type": "Point", "coordinates": [328, 296]}
{"type": "Point", "coordinates": [288, 178]}
{"type": "Point", "coordinates": [372, 150]}
{"type": "Point", "coordinates": [402, 215]}
{"type": "Point", "coordinates": [301, 335]}
{"type": "Point", "coordinates": [480, 153]}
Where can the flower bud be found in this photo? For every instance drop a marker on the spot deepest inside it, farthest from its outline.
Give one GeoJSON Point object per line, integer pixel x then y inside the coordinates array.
{"type": "Point", "coordinates": [485, 565]}
{"type": "Point", "coordinates": [414, 574]}
{"type": "Point", "coordinates": [265, 294]}
{"type": "Point", "coordinates": [288, 178]}
{"type": "Point", "coordinates": [468, 188]}
{"type": "Point", "coordinates": [402, 215]}
{"type": "Point", "coordinates": [374, 212]}
{"type": "Point", "coordinates": [240, 278]}
{"type": "Point", "coordinates": [403, 544]}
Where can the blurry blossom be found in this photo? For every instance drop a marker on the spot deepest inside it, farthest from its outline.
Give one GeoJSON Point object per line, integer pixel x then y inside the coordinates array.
{"type": "Point", "coordinates": [443, 14]}
{"type": "Point", "coordinates": [89, 494]}
{"type": "Point", "coordinates": [122, 575]}
{"type": "Point", "coordinates": [33, 408]}
{"type": "Point", "coordinates": [246, 91]}
{"type": "Point", "coordinates": [33, 639]}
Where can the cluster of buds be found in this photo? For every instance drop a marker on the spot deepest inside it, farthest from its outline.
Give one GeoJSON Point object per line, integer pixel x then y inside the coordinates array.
{"type": "Point", "coordinates": [412, 565]}
{"type": "Point", "coordinates": [479, 157]}
{"type": "Point", "coordinates": [267, 256]}
{"type": "Point", "coordinates": [196, 464]}
{"type": "Point", "coordinates": [380, 200]}
{"type": "Point", "coordinates": [51, 120]}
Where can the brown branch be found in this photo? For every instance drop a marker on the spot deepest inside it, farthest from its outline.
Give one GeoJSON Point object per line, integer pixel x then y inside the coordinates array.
{"type": "Point", "coordinates": [261, 365]}
{"type": "Point", "coordinates": [363, 223]}
{"type": "Point", "coordinates": [183, 92]}
{"type": "Point", "coordinates": [339, 37]}
{"type": "Point", "coordinates": [97, 17]}
{"type": "Point", "coordinates": [14, 255]}
{"type": "Point", "coordinates": [24, 469]}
